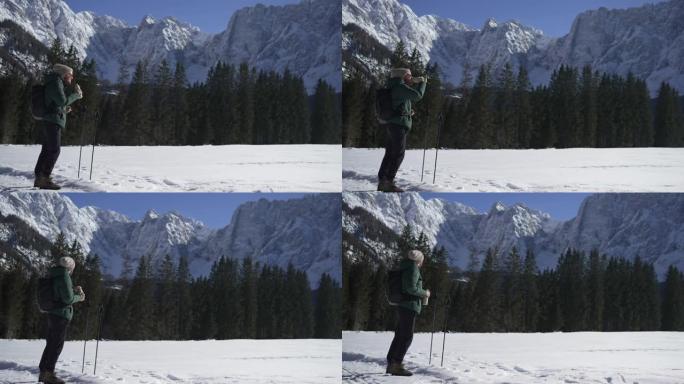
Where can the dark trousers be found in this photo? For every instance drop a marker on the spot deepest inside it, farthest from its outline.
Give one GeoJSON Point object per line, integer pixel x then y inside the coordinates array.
{"type": "Point", "coordinates": [395, 147]}
{"type": "Point", "coordinates": [403, 335]}
{"type": "Point", "coordinates": [49, 152]}
{"type": "Point", "coordinates": [56, 334]}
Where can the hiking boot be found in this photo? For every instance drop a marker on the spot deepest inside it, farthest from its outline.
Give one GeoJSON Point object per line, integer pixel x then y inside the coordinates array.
{"type": "Point", "coordinates": [48, 377]}
{"type": "Point", "coordinates": [397, 369]}
{"type": "Point", "coordinates": [388, 186]}
{"type": "Point", "coordinates": [45, 182]}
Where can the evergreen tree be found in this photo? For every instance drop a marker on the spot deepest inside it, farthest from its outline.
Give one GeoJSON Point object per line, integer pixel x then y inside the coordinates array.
{"type": "Point", "coordinates": [140, 304]}
{"type": "Point", "coordinates": [325, 122]}
{"type": "Point", "coordinates": [184, 298]}
{"type": "Point", "coordinates": [530, 293]}
{"type": "Point", "coordinates": [673, 301]}
{"type": "Point", "coordinates": [327, 324]}
{"type": "Point", "coordinates": [248, 298]}
{"type": "Point", "coordinates": [513, 299]}
{"type": "Point", "coordinates": [595, 289]}
{"type": "Point", "coordinates": [669, 123]}
{"type": "Point", "coordinates": [486, 295]}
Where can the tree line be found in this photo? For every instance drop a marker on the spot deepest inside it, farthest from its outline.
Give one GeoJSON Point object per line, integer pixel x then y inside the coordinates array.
{"type": "Point", "coordinates": [162, 301]}
{"type": "Point", "coordinates": [158, 106]}
{"type": "Point", "coordinates": [577, 108]}
{"type": "Point", "coordinates": [508, 293]}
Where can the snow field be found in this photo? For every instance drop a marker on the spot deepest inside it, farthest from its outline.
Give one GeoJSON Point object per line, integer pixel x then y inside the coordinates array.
{"type": "Point", "coordinates": [226, 168]}
{"type": "Point", "coordinates": [581, 357]}
{"type": "Point", "coordinates": [195, 362]}
{"type": "Point", "coordinates": [544, 170]}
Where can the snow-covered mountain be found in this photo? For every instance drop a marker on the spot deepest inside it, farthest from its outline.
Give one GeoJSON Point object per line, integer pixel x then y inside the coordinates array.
{"type": "Point", "coordinates": [305, 232]}
{"type": "Point", "coordinates": [648, 41]}
{"type": "Point", "coordinates": [648, 225]}
{"type": "Point", "coordinates": [303, 38]}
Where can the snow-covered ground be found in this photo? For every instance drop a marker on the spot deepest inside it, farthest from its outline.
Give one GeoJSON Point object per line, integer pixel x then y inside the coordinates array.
{"type": "Point", "coordinates": [208, 362]}
{"type": "Point", "coordinates": [582, 357]}
{"type": "Point", "coordinates": [545, 170]}
{"type": "Point", "coordinates": [227, 168]}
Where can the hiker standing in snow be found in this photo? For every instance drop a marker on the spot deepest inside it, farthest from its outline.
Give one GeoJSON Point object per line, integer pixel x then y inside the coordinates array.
{"type": "Point", "coordinates": [57, 104]}
{"type": "Point", "coordinates": [407, 310]}
{"type": "Point", "coordinates": [405, 90]}
{"type": "Point", "coordinates": [58, 319]}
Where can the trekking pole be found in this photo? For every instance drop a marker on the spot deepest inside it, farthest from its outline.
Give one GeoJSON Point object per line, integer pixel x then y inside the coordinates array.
{"type": "Point", "coordinates": [85, 339]}
{"type": "Point", "coordinates": [422, 168]}
{"type": "Point", "coordinates": [432, 331]}
{"type": "Point", "coordinates": [80, 152]}
{"type": "Point", "coordinates": [92, 154]}
{"type": "Point", "coordinates": [444, 328]}
{"type": "Point", "coordinates": [100, 317]}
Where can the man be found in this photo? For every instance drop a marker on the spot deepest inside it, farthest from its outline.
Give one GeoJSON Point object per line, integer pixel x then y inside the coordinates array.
{"type": "Point", "coordinates": [405, 90]}
{"type": "Point", "coordinates": [58, 319]}
{"type": "Point", "coordinates": [57, 104]}
{"type": "Point", "coordinates": [407, 310]}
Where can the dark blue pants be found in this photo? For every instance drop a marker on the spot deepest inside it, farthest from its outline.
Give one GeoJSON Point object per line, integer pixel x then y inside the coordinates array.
{"type": "Point", "coordinates": [56, 334]}
{"type": "Point", "coordinates": [49, 152]}
{"type": "Point", "coordinates": [395, 147]}
{"type": "Point", "coordinates": [403, 335]}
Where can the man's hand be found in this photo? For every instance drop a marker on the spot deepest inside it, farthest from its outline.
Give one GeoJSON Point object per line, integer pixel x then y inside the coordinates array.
{"type": "Point", "coordinates": [419, 79]}
{"type": "Point", "coordinates": [427, 293]}
{"type": "Point", "coordinates": [68, 109]}
{"type": "Point", "coordinates": [79, 291]}
{"type": "Point", "coordinates": [78, 91]}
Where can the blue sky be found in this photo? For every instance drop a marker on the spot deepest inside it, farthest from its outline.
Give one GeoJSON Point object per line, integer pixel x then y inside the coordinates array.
{"type": "Point", "coordinates": [209, 15]}
{"type": "Point", "coordinates": [213, 209]}
{"type": "Point", "coordinates": [561, 206]}
{"type": "Point", "coordinates": [554, 17]}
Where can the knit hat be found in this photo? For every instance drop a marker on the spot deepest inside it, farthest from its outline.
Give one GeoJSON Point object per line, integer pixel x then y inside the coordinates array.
{"type": "Point", "coordinates": [68, 263]}
{"type": "Point", "coordinates": [399, 72]}
{"type": "Point", "coordinates": [62, 69]}
{"type": "Point", "coordinates": [416, 256]}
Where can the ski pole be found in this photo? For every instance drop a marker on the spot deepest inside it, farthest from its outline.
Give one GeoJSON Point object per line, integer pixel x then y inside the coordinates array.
{"type": "Point", "coordinates": [92, 154]}
{"type": "Point", "coordinates": [80, 152]}
{"type": "Point", "coordinates": [444, 328]}
{"type": "Point", "coordinates": [432, 331]}
{"type": "Point", "coordinates": [100, 317]}
{"type": "Point", "coordinates": [422, 168]}
{"type": "Point", "coordinates": [85, 339]}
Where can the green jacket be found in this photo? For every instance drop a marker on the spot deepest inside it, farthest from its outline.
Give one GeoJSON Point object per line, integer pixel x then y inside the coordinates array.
{"type": "Point", "coordinates": [402, 98]}
{"type": "Point", "coordinates": [56, 100]}
{"type": "Point", "coordinates": [411, 284]}
{"type": "Point", "coordinates": [62, 289]}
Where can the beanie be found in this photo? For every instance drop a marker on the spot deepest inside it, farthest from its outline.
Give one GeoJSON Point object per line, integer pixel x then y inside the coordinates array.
{"type": "Point", "coordinates": [399, 72]}
{"type": "Point", "coordinates": [68, 263]}
{"type": "Point", "coordinates": [62, 69]}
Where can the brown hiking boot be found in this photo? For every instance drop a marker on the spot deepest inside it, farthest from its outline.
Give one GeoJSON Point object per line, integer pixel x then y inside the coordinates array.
{"type": "Point", "coordinates": [388, 186]}
{"type": "Point", "coordinates": [397, 369]}
{"type": "Point", "coordinates": [48, 377]}
{"type": "Point", "coordinates": [45, 182]}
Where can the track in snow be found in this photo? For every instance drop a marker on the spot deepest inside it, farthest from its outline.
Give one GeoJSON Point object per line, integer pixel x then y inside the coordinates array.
{"type": "Point", "coordinates": [545, 170]}
{"type": "Point", "coordinates": [226, 168]}
{"type": "Point", "coordinates": [583, 357]}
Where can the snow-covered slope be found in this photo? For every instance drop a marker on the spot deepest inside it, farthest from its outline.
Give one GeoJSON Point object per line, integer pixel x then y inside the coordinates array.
{"type": "Point", "coordinates": [626, 225]}
{"type": "Point", "coordinates": [648, 40]}
{"type": "Point", "coordinates": [305, 232]}
{"type": "Point", "coordinates": [303, 38]}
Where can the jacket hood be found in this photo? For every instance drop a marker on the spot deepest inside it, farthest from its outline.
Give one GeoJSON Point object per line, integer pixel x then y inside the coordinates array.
{"type": "Point", "coordinates": [57, 271]}
{"type": "Point", "coordinates": [395, 81]}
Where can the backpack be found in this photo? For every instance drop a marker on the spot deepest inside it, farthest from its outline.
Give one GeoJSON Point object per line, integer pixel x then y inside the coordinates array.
{"type": "Point", "coordinates": [394, 290]}
{"type": "Point", "coordinates": [46, 295]}
{"type": "Point", "coordinates": [38, 107]}
{"type": "Point", "coordinates": [383, 105]}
